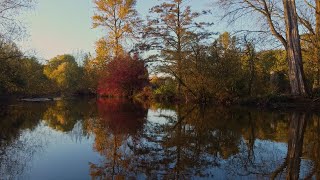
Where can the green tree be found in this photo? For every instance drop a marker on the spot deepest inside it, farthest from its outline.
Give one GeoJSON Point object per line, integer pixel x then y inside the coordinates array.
{"type": "Point", "coordinates": [34, 81]}
{"type": "Point", "coordinates": [65, 72]}
{"type": "Point", "coordinates": [19, 74]}
{"type": "Point", "coordinates": [276, 16]}
{"type": "Point", "coordinates": [227, 73]}
{"type": "Point", "coordinates": [9, 78]}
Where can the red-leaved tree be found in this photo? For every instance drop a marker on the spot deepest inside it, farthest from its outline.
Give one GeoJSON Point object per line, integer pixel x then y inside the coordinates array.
{"type": "Point", "coordinates": [123, 76]}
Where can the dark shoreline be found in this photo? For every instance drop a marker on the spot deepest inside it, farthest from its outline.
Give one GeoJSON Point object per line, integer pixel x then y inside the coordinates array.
{"type": "Point", "coordinates": [281, 102]}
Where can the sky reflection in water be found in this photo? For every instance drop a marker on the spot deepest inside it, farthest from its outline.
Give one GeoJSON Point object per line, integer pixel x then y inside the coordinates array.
{"type": "Point", "coordinates": [114, 138]}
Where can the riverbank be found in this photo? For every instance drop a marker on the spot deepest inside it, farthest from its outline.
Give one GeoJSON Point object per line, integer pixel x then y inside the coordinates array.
{"type": "Point", "coordinates": [281, 102]}
{"type": "Point", "coordinates": [276, 102]}
{"type": "Point", "coordinates": [41, 98]}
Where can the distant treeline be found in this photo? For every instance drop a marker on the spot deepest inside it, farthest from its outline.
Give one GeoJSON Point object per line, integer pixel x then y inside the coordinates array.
{"type": "Point", "coordinates": [25, 76]}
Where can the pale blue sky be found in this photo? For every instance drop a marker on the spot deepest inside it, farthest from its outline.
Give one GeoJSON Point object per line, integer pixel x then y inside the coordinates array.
{"type": "Point", "coordinates": [64, 26]}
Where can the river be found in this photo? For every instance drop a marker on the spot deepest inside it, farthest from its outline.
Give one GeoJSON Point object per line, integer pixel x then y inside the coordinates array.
{"type": "Point", "coordinates": [118, 139]}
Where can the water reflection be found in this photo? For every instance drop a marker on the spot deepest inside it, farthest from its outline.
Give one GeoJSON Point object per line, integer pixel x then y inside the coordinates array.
{"type": "Point", "coordinates": [15, 154]}
{"type": "Point", "coordinates": [115, 138]}
{"type": "Point", "coordinates": [116, 129]}
{"type": "Point", "coordinates": [63, 115]}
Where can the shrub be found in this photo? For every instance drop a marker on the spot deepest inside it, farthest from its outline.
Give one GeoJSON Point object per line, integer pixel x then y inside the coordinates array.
{"type": "Point", "coordinates": [123, 76]}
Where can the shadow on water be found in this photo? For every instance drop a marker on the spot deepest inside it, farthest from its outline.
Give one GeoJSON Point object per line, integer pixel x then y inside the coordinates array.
{"type": "Point", "coordinates": [182, 142]}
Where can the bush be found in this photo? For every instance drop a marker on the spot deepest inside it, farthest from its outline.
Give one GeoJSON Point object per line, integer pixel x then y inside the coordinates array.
{"type": "Point", "coordinates": [123, 76]}
{"type": "Point", "coordinates": [165, 91]}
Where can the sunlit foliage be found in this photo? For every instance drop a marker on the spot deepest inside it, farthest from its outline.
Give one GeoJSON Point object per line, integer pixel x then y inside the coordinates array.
{"type": "Point", "coordinates": [63, 70]}
{"type": "Point", "coordinates": [119, 18]}
{"type": "Point", "coordinates": [170, 30]}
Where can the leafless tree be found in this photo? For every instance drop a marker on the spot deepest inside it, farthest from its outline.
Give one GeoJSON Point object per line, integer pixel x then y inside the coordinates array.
{"type": "Point", "coordinates": [11, 26]}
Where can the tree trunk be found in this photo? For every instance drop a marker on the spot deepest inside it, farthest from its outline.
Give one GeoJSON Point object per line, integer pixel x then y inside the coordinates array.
{"type": "Point", "coordinates": [317, 45]}
{"type": "Point", "coordinates": [179, 51]}
{"type": "Point", "coordinates": [251, 59]}
{"type": "Point", "coordinates": [294, 56]}
{"type": "Point", "coordinates": [317, 18]}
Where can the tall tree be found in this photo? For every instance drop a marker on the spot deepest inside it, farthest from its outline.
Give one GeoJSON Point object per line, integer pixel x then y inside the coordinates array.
{"type": "Point", "coordinates": [317, 41]}
{"type": "Point", "coordinates": [119, 18]}
{"type": "Point", "coordinates": [296, 74]}
{"type": "Point", "coordinates": [250, 55]}
{"type": "Point", "coordinates": [309, 18]}
{"type": "Point", "coordinates": [313, 31]}
{"type": "Point", "coordinates": [172, 30]}
{"type": "Point", "coordinates": [269, 11]}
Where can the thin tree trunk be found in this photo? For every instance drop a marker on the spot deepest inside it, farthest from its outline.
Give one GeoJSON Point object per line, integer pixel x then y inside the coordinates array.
{"type": "Point", "coordinates": [179, 144]}
{"type": "Point", "coordinates": [251, 58]}
{"type": "Point", "coordinates": [294, 56]}
{"type": "Point", "coordinates": [317, 17]}
{"type": "Point", "coordinates": [179, 49]}
{"type": "Point", "coordinates": [252, 74]}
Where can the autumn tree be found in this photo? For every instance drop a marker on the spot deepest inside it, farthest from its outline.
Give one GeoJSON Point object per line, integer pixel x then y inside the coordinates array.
{"type": "Point", "coordinates": [170, 30]}
{"type": "Point", "coordinates": [225, 68]}
{"type": "Point", "coordinates": [64, 71]}
{"type": "Point", "coordinates": [250, 56]}
{"type": "Point", "coordinates": [269, 12]}
{"type": "Point", "coordinates": [119, 18]}
{"type": "Point", "coordinates": [123, 76]}
{"type": "Point", "coordinates": [9, 53]}
{"type": "Point", "coordinates": [309, 18]}
{"type": "Point", "coordinates": [91, 69]}
{"type": "Point", "coordinates": [103, 54]}
{"type": "Point", "coordinates": [18, 74]}
{"type": "Point", "coordinates": [293, 47]}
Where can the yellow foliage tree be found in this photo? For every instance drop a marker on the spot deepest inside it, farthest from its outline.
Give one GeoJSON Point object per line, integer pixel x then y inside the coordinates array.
{"type": "Point", "coordinates": [119, 18]}
{"type": "Point", "coordinates": [62, 70]}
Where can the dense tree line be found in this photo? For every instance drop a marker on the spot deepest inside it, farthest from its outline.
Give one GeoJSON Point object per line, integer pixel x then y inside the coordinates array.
{"type": "Point", "coordinates": [196, 65]}
{"type": "Point", "coordinates": [25, 76]}
{"type": "Point", "coordinates": [190, 62]}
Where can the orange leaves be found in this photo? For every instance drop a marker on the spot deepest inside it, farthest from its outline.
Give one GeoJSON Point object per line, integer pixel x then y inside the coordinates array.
{"type": "Point", "coordinates": [119, 18]}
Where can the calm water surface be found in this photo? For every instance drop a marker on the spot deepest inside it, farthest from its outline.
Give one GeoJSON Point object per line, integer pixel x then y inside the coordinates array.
{"type": "Point", "coordinates": [108, 139]}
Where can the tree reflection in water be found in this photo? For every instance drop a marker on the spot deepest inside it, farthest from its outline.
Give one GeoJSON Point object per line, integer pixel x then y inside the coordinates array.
{"type": "Point", "coordinates": [157, 143]}
{"type": "Point", "coordinates": [15, 153]}
{"type": "Point", "coordinates": [198, 142]}
{"type": "Point", "coordinates": [295, 144]}
{"type": "Point", "coordinates": [311, 147]}
{"type": "Point", "coordinates": [117, 129]}
{"type": "Point", "coordinates": [24, 132]}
